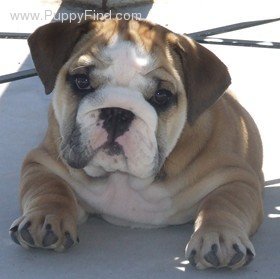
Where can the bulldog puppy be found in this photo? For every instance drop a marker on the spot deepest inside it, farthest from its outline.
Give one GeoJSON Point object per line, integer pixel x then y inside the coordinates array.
{"type": "Point", "coordinates": [142, 133]}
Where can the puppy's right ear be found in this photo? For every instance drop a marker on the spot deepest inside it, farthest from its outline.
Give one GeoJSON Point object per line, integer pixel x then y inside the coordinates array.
{"type": "Point", "coordinates": [51, 46]}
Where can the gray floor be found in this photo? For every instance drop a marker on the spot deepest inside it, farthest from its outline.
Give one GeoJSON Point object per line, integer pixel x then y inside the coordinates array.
{"type": "Point", "coordinates": [107, 251]}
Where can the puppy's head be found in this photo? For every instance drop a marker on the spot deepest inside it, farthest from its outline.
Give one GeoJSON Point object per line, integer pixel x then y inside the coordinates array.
{"type": "Point", "coordinates": [124, 91]}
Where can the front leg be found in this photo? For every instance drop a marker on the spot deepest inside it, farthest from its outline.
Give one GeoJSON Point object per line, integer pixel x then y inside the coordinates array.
{"type": "Point", "coordinates": [49, 210]}
{"type": "Point", "coordinates": [225, 220]}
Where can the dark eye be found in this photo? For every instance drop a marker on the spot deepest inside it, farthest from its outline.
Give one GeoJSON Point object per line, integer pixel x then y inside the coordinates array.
{"type": "Point", "coordinates": [82, 82]}
{"type": "Point", "coordinates": [161, 98]}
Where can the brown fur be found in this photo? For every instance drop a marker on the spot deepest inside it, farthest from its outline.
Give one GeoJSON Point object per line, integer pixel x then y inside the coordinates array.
{"type": "Point", "coordinates": [220, 140]}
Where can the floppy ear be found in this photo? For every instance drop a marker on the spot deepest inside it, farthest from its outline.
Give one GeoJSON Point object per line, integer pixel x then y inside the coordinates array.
{"type": "Point", "coordinates": [205, 76]}
{"type": "Point", "coordinates": [51, 46]}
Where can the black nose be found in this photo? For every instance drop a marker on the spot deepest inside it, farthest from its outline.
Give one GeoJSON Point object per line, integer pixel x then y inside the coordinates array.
{"type": "Point", "coordinates": [116, 121]}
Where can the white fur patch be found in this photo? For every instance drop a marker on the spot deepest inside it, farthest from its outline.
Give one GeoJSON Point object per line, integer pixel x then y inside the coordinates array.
{"type": "Point", "coordinates": [119, 203]}
{"type": "Point", "coordinates": [127, 64]}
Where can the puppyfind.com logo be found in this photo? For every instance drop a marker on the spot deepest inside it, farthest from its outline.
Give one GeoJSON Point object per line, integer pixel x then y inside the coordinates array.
{"type": "Point", "coordinates": [48, 15]}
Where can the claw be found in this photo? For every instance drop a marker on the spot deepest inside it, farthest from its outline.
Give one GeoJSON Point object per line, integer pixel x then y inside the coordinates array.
{"type": "Point", "coordinates": [25, 234]}
{"type": "Point", "coordinates": [237, 257]}
{"type": "Point", "coordinates": [50, 237]}
{"type": "Point", "coordinates": [191, 258]}
{"type": "Point", "coordinates": [249, 257]}
{"type": "Point", "coordinates": [211, 257]}
{"type": "Point", "coordinates": [13, 234]}
{"type": "Point", "coordinates": [68, 240]}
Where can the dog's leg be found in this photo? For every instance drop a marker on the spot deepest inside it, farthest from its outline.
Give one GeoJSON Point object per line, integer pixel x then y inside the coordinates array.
{"type": "Point", "coordinates": [49, 210]}
{"type": "Point", "coordinates": [225, 220]}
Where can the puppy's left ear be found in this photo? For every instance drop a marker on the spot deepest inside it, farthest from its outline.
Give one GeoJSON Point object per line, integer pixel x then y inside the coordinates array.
{"type": "Point", "coordinates": [51, 46]}
{"type": "Point", "coordinates": [204, 75]}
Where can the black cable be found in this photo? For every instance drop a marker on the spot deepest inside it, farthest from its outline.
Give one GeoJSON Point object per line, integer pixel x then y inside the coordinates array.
{"type": "Point", "coordinates": [272, 182]}
{"type": "Point", "coordinates": [230, 28]}
{"type": "Point", "coordinates": [9, 35]}
{"type": "Point", "coordinates": [237, 42]}
{"type": "Point", "coordinates": [18, 75]}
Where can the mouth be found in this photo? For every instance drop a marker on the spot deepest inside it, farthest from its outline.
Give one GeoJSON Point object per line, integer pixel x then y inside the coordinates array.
{"type": "Point", "coordinates": [113, 133]}
{"type": "Point", "coordinates": [113, 123]}
{"type": "Point", "coordinates": [113, 148]}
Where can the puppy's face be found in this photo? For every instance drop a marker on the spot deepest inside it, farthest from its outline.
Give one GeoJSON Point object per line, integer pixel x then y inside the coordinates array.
{"type": "Point", "coordinates": [120, 106]}
{"type": "Point", "coordinates": [124, 95]}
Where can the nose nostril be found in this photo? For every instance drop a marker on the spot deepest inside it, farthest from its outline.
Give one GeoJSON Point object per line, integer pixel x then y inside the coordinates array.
{"type": "Point", "coordinates": [118, 113]}
{"type": "Point", "coordinates": [105, 113]}
{"type": "Point", "coordinates": [126, 115]}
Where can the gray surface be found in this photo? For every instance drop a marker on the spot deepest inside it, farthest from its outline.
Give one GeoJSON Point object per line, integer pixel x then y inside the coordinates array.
{"type": "Point", "coordinates": [107, 251]}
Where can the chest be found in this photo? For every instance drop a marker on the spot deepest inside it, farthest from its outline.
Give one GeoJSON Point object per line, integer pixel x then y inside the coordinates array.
{"type": "Point", "coordinates": [119, 201]}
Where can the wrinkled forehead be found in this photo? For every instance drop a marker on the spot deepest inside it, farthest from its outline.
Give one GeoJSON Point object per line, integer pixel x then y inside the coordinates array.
{"type": "Point", "coordinates": [139, 45]}
{"type": "Point", "coordinates": [116, 51]}
{"type": "Point", "coordinates": [141, 33]}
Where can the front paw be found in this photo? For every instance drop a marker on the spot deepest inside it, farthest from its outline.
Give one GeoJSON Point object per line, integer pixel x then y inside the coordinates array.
{"type": "Point", "coordinates": [219, 248]}
{"type": "Point", "coordinates": [48, 231]}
